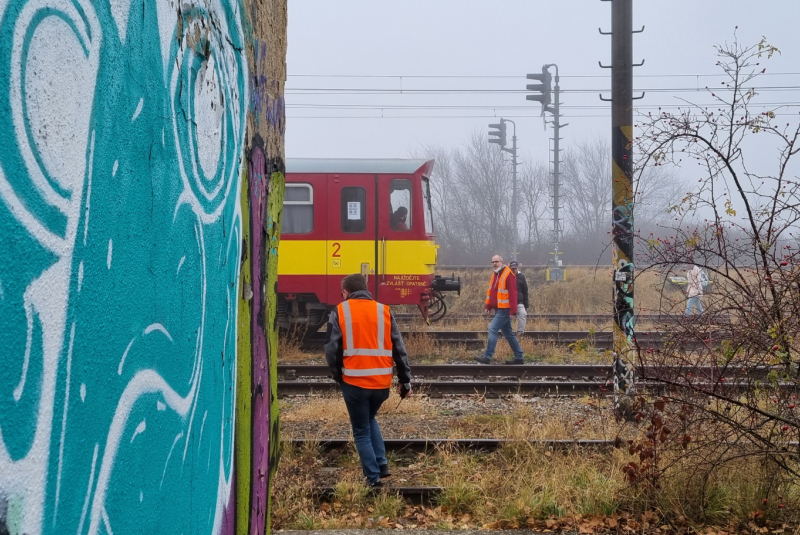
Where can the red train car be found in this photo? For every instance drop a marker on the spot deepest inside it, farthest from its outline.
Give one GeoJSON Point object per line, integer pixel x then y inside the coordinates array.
{"type": "Point", "coordinates": [343, 216]}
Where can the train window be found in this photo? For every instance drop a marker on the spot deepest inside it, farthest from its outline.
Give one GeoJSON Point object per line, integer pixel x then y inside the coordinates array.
{"type": "Point", "coordinates": [298, 209]}
{"type": "Point", "coordinates": [427, 208]}
{"type": "Point", "coordinates": [354, 209]}
{"type": "Point", "coordinates": [400, 203]}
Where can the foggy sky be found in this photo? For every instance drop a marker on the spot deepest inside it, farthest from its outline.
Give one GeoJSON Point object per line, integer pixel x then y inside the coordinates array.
{"type": "Point", "coordinates": [502, 38]}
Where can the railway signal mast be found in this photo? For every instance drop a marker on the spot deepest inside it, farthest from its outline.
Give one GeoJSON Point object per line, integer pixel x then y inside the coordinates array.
{"type": "Point", "coordinates": [498, 136]}
{"type": "Point", "coordinates": [550, 95]}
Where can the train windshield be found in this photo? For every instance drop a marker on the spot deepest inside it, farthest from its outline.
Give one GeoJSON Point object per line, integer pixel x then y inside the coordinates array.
{"type": "Point", "coordinates": [426, 202]}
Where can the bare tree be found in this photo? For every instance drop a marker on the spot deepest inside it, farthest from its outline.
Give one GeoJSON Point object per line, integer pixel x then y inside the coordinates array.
{"type": "Point", "coordinates": [534, 204]}
{"type": "Point", "coordinates": [586, 189]}
{"type": "Point", "coordinates": [471, 194]}
{"type": "Point", "coordinates": [657, 189]}
{"type": "Point", "coordinates": [732, 372]}
{"type": "Point", "coordinates": [485, 180]}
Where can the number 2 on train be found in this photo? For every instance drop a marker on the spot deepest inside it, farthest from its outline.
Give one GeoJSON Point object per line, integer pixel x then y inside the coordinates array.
{"type": "Point", "coordinates": [336, 246]}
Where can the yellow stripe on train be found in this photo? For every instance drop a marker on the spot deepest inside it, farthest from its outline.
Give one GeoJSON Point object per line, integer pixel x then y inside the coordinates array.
{"type": "Point", "coordinates": [342, 257]}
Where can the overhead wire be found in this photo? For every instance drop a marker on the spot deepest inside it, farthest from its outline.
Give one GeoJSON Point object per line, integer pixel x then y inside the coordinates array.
{"type": "Point", "coordinates": [428, 91]}
{"type": "Point", "coordinates": [517, 76]}
{"type": "Point", "coordinates": [292, 92]}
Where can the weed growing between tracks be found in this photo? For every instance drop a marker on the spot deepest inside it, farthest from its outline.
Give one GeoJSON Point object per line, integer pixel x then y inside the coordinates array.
{"type": "Point", "coordinates": [519, 485]}
{"type": "Point", "coordinates": [522, 486]}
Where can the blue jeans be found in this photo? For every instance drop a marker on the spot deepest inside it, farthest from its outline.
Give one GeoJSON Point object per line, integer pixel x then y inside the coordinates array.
{"type": "Point", "coordinates": [694, 302]}
{"type": "Point", "coordinates": [502, 322]}
{"type": "Point", "coordinates": [362, 406]}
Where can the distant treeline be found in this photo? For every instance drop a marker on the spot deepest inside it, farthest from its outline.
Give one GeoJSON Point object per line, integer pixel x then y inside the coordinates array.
{"type": "Point", "coordinates": [471, 192]}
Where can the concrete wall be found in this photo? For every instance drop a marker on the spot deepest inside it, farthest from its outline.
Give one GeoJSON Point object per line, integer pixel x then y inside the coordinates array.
{"type": "Point", "coordinates": [141, 180]}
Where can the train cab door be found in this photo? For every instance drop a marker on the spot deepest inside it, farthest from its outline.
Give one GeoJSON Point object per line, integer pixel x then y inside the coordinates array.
{"type": "Point", "coordinates": [397, 227]}
{"type": "Point", "coordinates": [352, 231]}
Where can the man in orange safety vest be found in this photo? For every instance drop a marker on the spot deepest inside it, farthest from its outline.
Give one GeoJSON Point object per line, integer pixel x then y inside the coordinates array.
{"type": "Point", "coordinates": [501, 297]}
{"type": "Point", "coordinates": [363, 344]}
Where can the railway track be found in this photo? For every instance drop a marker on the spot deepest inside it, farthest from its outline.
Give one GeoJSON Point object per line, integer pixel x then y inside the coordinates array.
{"type": "Point", "coordinates": [489, 389]}
{"type": "Point", "coordinates": [500, 380]}
{"type": "Point", "coordinates": [572, 371]}
{"type": "Point", "coordinates": [294, 371]}
{"type": "Point", "coordinates": [426, 445]}
{"type": "Point", "coordinates": [405, 317]}
{"type": "Point", "coordinates": [602, 340]}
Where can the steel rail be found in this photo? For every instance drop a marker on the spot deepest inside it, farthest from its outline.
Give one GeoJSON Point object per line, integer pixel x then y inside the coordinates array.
{"type": "Point", "coordinates": [466, 316]}
{"type": "Point", "coordinates": [483, 388]}
{"type": "Point", "coordinates": [496, 389]}
{"type": "Point", "coordinates": [597, 339]}
{"type": "Point", "coordinates": [294, 371]}
{"type": "Point", "coordinates": [424, 445]}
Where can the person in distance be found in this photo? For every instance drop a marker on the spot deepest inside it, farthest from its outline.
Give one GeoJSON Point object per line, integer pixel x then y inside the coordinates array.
{"type": "Point", "coordinates": [398, 219]}
{"type": "Point", "coordinates": [502, 297]}
{"type": "Point", "coordinates": [522, 297]}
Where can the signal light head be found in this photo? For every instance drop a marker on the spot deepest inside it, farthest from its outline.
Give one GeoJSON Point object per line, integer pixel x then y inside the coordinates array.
{"type": "Point", "coordinates": [544, 88]}
{"type": "Point", "coordinates": [499, 134]}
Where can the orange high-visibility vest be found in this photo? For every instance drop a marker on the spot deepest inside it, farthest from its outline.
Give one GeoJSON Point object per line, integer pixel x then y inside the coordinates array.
{"type": "Point", "coordinates": [367, 343]}
{"type": "Point", "coordinates": [502, 288]}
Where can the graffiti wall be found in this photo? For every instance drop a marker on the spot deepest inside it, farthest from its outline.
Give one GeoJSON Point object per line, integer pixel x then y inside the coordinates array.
{"type": "Point", "coordinates": [132, 293]}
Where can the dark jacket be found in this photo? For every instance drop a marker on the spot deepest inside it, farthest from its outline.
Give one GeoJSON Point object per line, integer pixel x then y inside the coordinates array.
{"type": "Point", "coordinates": [334, 350]}
{"type": "Point", "coordinates": [522, 290]}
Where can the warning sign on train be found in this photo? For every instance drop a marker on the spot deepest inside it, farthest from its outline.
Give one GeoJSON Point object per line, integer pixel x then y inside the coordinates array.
{"type": "Point", "coordinates": [354, 210]}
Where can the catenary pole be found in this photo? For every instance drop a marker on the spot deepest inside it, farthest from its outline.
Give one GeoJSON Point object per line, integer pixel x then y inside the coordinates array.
{"type": "Point", "coordinates": [556, 169]}
{"type": "Point", "coordinates": [514, 202]}
{"type": "Point", "coordinates": [622, 196]}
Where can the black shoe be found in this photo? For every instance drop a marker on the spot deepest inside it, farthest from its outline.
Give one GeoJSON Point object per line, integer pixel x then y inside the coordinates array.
{"type": "Point", "coordinates": [515, 361]}
{"type": "Point", "coordinates": [385, 471]}
{"type": "Point", "coordinates": [377, 485]}
{"type": "Point", "coordinates": [483, 360]}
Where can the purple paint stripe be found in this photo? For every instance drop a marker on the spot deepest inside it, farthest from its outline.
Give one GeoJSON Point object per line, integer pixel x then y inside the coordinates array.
{"type": "Point", "coordinates": [229, 514]}
{"type": "Point", "coordinates": [260, 386]}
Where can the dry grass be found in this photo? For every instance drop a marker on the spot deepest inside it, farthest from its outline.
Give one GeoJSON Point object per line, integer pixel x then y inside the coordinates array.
{"type": "Point", "coordinates": [289, 349]}
{"type": "Point", "coordinates": [586, 291]}
{"type": "Point", "coordinates": [523, 483]}
{"type": "Point", "coordinates": [523, 418]}
{"type": "Point", "coordinates": [327, 412]}
{"type": "Point", "coordinates": [584, 418]}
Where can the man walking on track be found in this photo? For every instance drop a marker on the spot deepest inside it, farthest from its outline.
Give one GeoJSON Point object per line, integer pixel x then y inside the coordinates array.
{"type": "Point", "coordinates": [502, 297]}
{"type": "Point", "coordinates": [363, 344]}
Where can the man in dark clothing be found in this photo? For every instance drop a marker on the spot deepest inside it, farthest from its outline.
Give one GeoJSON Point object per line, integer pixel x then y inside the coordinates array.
{"type": "Point", "coordinates": [363, 344]}
{"type": "Point", "coordinates": [522, 297]}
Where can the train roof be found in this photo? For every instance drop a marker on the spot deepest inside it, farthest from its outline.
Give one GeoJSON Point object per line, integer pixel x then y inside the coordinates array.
{"type": "Point", "coordinates": [355, 165]}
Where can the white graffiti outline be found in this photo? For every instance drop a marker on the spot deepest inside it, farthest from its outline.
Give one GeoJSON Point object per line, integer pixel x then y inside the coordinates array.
{"type": "Point", "coordinates": [166, 463]}
{"type": "Point", "coordinates": [139, 430]}
{"type": "Point", "coordinates": [64, 422]}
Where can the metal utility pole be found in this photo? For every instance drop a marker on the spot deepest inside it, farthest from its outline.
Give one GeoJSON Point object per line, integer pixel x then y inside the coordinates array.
{"type": "Point", "coordinates": [622, 200]}
{"type": "Point", "coordinates": [548, 95]}
{"type": "Point", "coordinates": [557, 273]}
{"type": "Point", "coordinates": [514, 202]}
{"type": "Point", "coordinates": [500, 139]}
